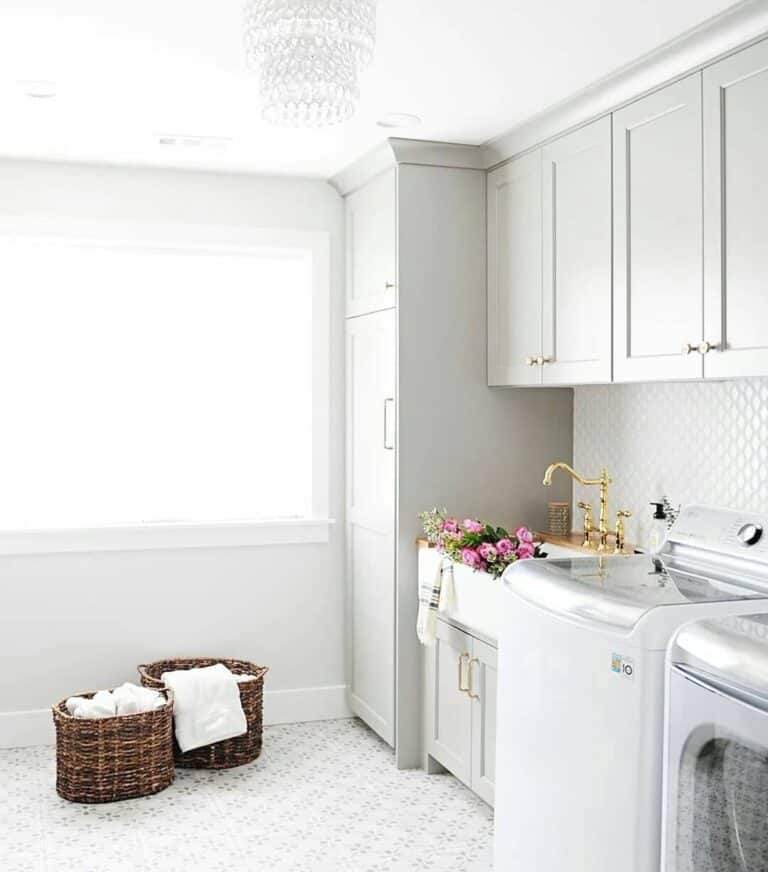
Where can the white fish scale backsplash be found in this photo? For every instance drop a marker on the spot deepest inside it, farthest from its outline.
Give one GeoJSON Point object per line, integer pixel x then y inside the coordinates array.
{"type": "Point", "coordinates": [704, 442]}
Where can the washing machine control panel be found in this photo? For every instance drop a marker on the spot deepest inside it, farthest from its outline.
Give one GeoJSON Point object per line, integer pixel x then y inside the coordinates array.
{"type": "Point", "coordinates": [723, 531]}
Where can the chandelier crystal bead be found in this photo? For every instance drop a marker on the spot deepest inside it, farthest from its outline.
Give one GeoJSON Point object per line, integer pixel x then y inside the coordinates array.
{"type": "Point", "coordinates": [309, 54]}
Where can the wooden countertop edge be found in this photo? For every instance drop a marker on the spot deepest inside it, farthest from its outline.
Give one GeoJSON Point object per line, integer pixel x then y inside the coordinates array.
{"type": "Point", "coordinates": [573, 541]}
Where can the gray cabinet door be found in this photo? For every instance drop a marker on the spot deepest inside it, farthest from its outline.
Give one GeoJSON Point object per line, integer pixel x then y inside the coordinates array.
{"type": "Point", "coordinates": [371, 343]}
{"type": "Point", "coordinates": [736, 214]}
{"type": "Point", "coordinates": [658, 275]}
{"type": "Point", "coordinates": [514, 272]}
{"type": "Point", "coordinates": [482, 690]}
{"type": "Point", "coordinates": [449, 714]}
{"type": "Point", "coordinates": [577, 256]}
{"type": "Point", "coordinates": [371, 246]}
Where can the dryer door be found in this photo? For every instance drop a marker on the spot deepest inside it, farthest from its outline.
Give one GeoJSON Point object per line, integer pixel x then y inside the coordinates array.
{"type": "Point", "coordinates": [716, 809]}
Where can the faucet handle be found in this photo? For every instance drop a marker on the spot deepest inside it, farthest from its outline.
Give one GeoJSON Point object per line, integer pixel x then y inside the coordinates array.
{"type": "Point", "coordinates": [588, 526]}
{"type": "Point", "coordinates": [620, 533]}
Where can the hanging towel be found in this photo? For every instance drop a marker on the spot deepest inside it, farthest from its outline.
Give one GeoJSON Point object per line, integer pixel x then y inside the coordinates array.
{"type": "Point", "coordinates": [207, 706]}
{"type": "Point", "coordinates": [435, 594]}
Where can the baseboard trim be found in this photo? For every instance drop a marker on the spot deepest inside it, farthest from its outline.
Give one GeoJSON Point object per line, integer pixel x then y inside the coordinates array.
{"type": "Point", "coordinates": [25, 728]}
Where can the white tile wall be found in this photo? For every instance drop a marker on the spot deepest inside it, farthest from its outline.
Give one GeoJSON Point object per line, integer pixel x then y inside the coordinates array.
{"type": "Point", "coordinates": [698, 442]}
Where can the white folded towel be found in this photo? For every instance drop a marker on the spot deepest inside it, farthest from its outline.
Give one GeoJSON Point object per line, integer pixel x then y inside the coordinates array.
{"type": "Point", "coordinates": [128, 699]}
{"type": "Point", "coordinates": [206, 706]}
{"type": "Point", "coordinates": [131, 699]}
{"type": "Point", "coordinates": [101, 705]}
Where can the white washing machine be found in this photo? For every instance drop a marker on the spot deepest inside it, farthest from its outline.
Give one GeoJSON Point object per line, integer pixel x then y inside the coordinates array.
{"type": "Point", "coordinates": [581, 690]}
{"type": "Point", "coordinates": [716, 751]}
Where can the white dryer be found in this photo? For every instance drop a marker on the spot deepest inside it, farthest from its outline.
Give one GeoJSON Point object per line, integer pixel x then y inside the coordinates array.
{"type": "Point", "coordinates": [581, 690]}
{"type": "Point", "coordinates": [716, 752]}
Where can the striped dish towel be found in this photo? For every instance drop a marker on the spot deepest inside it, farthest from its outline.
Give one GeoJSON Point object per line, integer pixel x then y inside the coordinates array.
{"type": "Point", "coordinates": [435, 594]}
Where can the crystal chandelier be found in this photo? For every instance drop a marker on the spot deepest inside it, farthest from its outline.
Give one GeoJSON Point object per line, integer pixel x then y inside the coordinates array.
{"type": "Point", "coordinates": [309, 54]}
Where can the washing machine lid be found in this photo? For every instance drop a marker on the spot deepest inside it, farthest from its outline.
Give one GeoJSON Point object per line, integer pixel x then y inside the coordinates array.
{"type": "Point", "coordinates": [614, 590]}
{"type": "Point", "coordinates": [728, 652]}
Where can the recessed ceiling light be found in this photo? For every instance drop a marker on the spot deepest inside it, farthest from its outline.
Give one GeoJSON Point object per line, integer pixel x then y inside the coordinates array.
{"type": "Point", "coordinates": [41, 89]}
{"type": "Point", "coordinates": [398, 119]}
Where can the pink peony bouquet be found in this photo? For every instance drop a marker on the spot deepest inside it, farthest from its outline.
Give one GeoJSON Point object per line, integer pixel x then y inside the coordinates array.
{"type": "Point", "coordinates": [481, 546]}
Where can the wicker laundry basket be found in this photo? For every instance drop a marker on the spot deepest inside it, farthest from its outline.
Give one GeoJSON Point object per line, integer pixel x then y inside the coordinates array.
{"type": "Point", "coordinates": [106, 759]}
{"type": "Point", "coordinates": [230, 752]}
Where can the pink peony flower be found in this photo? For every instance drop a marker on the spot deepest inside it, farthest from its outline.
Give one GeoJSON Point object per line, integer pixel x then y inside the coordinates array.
{"type": "Point", "coordinates": [450, 525]}
{"type": "Point", "coordinates": [487, 552]}
{"type": "Point", "coordinates": [523, 534]}
{"type": "Point", "coordinates": [473, 526]}
{"type": "Point", "coordinates": [471, 558]}
{"type": "Point", "coordinates": [525, 550]}
{"type": "Point", "coordinates": [504, 546]}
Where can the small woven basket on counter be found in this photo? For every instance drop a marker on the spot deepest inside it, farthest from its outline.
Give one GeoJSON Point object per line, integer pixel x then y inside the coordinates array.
{"type": "Point", "coordinates": [230, 752]}
{"type": "Point", "coordinates": [106, 759]}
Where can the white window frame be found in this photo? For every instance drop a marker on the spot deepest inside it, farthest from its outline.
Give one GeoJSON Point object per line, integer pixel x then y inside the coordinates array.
{"type": "Point", "coordinates": [173, 535]}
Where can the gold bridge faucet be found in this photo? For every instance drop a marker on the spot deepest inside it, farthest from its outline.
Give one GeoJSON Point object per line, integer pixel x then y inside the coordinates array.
{"type": "Point", "coordinates": [604, 534]}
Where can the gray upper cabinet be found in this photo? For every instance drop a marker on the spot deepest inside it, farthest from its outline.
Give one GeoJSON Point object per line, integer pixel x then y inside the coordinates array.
{"type": "Point", "coordinates": [576, 308]}
{"type": "Point", "coordinates": [658, 235]}
{"type": "Point", "coordinates": [736, 214]}
{"type": "Point", "coordinates": [514, 272]}
{"type": "Point", "coordinates": [371, 247]}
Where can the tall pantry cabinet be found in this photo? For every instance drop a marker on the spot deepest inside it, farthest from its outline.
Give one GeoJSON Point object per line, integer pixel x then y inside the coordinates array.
{"type": "Point", "coordinates": [423, 428]}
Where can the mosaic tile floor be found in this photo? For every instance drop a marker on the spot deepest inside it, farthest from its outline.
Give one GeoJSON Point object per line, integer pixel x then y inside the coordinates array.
{"type": "Point", "coordinates": [323, 796]}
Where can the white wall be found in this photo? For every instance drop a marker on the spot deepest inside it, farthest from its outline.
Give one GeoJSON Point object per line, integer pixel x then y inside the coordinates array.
{"type": "Point", "coordinates": [478, 451]}
{"type": "Point", "coordinates": [84, 621]}
{"type": "Point", "coordinates": [704, 442]}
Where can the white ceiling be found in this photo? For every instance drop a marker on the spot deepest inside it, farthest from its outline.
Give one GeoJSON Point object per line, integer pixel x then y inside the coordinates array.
{"type": "Point", "coordinates": [127, 73]}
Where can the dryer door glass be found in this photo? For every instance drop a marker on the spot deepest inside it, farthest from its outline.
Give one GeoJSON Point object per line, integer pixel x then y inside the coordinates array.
{"type": "Point", "coordinates": [717, 781]}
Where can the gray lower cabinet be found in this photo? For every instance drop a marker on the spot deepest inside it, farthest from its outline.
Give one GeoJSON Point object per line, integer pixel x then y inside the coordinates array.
{"type": "Point", "coordinates": [461, 708]}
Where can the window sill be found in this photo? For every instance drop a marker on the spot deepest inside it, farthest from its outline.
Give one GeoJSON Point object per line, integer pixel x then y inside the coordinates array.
{"type": "Point", "coordinates": [167, 535]}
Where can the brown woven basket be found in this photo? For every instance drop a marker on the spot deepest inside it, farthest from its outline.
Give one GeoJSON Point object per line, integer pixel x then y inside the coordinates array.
{"type": "Point", "coordinates": [106, 759]}
{"type": "Point", "coordinates": [230, 752]}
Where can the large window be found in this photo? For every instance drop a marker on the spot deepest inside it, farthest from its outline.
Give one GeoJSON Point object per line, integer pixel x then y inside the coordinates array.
{"type": "Point", "coordinates": [153, 381]}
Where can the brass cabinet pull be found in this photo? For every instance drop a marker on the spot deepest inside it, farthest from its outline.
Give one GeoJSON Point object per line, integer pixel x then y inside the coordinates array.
{"type": "Point", "coordinates": [461, 670]}
{"type": "Point", "coordinates": [541, 360]}
{"type": "Point", "coordinates": [531, 361]}
{"type": "Point", "coordinates": [689, 348]}
{"type": "Point", "coordinates": [470, 692]}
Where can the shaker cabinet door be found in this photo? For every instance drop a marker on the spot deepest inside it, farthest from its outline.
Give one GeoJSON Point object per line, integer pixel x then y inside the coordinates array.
{"type": "Point", "coordinates": [514, 272]}
{"type": "Point", "coordinates": [449, 718]}
{"type": "Point", "coordinates": [736, 214]}
{"type": "Point", "coordinates": [482, 690]}
{"type": "Point", "coordinates": [371, 518]}
{"type": "Point", "coordinates": [658, 281]}
{"type": "Point", "coordinates": [371, 246]}
{"type": "Point", "coordinates": [577, 256]}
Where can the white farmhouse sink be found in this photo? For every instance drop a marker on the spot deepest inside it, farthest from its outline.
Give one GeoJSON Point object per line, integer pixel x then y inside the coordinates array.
{"type": "Point", "coordinates": [476, 605]}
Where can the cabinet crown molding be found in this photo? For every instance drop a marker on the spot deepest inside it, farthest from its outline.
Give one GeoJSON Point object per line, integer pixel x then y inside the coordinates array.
{"type": "Point", "coordinates": [395, 151]}
{"type": "Point", "coordinates": [732, 30]}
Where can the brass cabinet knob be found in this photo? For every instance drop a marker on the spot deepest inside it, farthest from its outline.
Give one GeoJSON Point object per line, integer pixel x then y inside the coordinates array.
{"type": "Point", "coordinates": [689, 348]}
{"type": "Point", "coordinates": [706, 347]}
{"type": "Point", "coordinates": [541, 360]}
{"type": "Point", "coordinates": [531, 361]}
{"type": "Point", "coordinates": [388, 286]}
